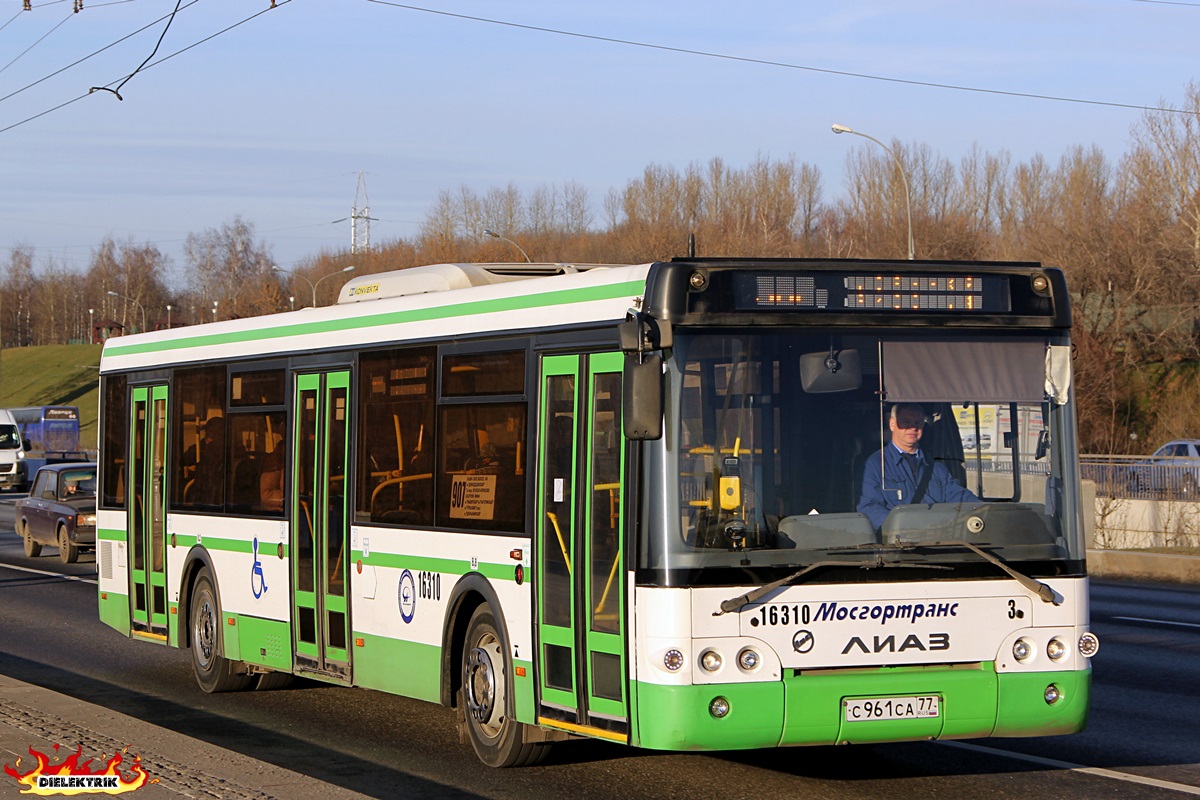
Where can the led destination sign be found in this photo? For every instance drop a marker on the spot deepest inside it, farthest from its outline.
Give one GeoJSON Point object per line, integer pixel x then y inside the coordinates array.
{"type": "Point", "coordinates": [897, 292]}
{"type": "Point", "coordinates": [881, 292]}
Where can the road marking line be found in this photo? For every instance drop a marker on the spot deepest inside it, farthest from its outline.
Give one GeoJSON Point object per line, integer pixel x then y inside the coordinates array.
{"type": "Point", "coordinates": [1097, 771]}
{"type": "Point", "coordinates": [1159, 621]}
{"type": "Point", "coordinates": [51, 574]}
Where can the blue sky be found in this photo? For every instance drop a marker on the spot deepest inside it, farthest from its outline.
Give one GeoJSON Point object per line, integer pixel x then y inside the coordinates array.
{"type": "Point", "coordinates": [274, 120]}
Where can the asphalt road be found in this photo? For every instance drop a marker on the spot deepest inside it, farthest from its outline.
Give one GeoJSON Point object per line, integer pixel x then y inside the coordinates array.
{"type": "Point", "coordinates": [1143, 740]}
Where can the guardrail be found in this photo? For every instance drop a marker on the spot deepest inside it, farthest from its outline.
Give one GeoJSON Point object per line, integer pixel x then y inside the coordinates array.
{"type": "Point", "coordinates": [1142, 477]}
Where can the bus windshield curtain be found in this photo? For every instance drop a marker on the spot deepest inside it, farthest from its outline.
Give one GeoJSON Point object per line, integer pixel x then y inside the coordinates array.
{"type": "Point", "coordinates": [979, 371]}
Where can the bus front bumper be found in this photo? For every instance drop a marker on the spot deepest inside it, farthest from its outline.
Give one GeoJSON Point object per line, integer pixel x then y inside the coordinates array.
{"type": "Point", "coordinates": [811, 709]}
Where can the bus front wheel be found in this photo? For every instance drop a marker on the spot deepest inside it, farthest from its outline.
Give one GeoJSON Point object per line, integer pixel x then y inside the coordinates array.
{"type": "Point", "coordinates": [214, 672]}
{"type": "Point", "coordinates": [498, 739]}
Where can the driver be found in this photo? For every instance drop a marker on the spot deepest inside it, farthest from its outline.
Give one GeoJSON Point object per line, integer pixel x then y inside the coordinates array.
{"type": "Point", "coordinates": [907, 475]}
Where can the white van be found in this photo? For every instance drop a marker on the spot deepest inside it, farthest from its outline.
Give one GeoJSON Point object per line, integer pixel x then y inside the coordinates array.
{"type": "Point", "coordinates": [14, 472]}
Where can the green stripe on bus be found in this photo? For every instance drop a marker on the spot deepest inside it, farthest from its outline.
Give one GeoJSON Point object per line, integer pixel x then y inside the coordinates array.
{"type": "Point", "coordinates": [523, 302]}
{"type": "Point", "coordinates": [447, 566]}
{"type": "Point", "coordinates": [391, 665]}
{"type": "Point", "coordinates": [114, 611]}
{"type": "Point", "coordinates": [265, 549]}
{"type": "Point", "coordinates": [265, 642]}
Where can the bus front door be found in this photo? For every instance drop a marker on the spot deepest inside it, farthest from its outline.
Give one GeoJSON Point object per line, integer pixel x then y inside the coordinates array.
{"type": "Point", "coordinates": [147, 512]}
{"type": "Point", "coordinates": [580, 583]}
{"type": "Point", "coordinates": [319, 527]}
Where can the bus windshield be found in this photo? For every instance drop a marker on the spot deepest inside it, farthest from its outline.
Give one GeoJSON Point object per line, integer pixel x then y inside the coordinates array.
{"type": "Point", "coordinates": [780, 446]}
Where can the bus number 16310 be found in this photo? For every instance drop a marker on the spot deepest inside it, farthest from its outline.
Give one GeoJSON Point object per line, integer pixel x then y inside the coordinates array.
{"type": "Point", "coordinates": [795, 614]}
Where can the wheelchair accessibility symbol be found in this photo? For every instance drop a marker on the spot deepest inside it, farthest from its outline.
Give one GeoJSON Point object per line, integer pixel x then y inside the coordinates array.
{"type": "Point", "coordinates": [258, 582]}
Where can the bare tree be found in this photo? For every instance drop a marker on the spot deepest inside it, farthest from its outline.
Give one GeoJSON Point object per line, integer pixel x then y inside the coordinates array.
{"type": "Point", "coordinates": [225, 262]}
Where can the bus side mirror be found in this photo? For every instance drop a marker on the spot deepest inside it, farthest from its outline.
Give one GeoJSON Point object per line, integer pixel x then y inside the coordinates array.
{"type": "Point", "coordinates": [642, 403]}
{"type": "Point", "coordinates": [641, 337]}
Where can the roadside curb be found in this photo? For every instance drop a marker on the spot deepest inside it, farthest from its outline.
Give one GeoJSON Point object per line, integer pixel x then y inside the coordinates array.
{"type": "Point", "coordinates": [1133, 565]}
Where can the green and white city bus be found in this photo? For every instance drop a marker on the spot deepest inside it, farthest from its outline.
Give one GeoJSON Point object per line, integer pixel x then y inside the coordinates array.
{"type": "Point", "coordinates": [617, 501]}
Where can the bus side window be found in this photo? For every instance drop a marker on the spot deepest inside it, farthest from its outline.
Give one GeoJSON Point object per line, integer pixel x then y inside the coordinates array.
{"type": "Point", "coordinates": [481, 441]}
{"type": "Point", "coordinates": [198, 425]}
{"type": "Point", "coordinates": [395, 437]}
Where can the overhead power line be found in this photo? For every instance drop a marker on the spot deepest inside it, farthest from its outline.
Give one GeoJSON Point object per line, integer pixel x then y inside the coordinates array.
{"type": "Point", "coordinates": [93, 54]}
{"type": "Point", "coordinates": [780, 64]}
{"type": "Point", "coordinates": [274, 4]}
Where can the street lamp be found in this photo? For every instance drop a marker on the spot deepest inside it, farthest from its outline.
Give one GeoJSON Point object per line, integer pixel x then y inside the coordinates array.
{"type": "Point", "coordinates": [907, 194]}
{"type": "Point", "coordinates": [136, 303]}
{"type": "Point", "coordinates": [311, 284]}
{"type": "Point", "coordinates": [91, 326]}
{"type": "Point", "coordinates": [495, 235]}
{"type": "Point", "coordinates": [168, 316]}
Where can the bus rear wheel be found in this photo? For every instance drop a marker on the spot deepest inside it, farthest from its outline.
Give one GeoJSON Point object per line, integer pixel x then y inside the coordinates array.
{"type": "Point", "coordinates": [214, 672]}
{"type": "Point", "coordinates": [498, 739]}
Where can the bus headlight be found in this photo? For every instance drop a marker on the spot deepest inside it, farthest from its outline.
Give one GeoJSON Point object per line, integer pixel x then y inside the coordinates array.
{"type": "Point", "coordinates": [1022, 650]}
{"type": "Point", "coordinates": [711, 660]}
{"type": "Point", "coordinates": [719, 707]}
{"type": "Point", "coordinates": [1056, 649]}
{"type": "Point", "coordinates": [749, 659]}
{"type": "Point", "coordinates": [1088, 644]}
{"type": "Point", "coordinates": [1052, 695]}
{"type": "Point", "coordinates": [673, 660]}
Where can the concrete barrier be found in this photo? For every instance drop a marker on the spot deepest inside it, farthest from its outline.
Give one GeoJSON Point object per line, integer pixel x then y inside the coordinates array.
{"type": "Point", "coordinates": [1140, 566]}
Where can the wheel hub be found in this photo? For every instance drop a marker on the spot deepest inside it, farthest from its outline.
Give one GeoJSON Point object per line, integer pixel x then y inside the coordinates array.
{"type": "Point", "coordinates": [204, 633]}
{"type": "Point", "coordinates": [481, 685]}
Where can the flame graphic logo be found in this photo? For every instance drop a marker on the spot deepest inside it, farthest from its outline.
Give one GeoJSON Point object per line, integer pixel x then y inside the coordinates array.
{"type": "Point", "coordinates": [73, 778]}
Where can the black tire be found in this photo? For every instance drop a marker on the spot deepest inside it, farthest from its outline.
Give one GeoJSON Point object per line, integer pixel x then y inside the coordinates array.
{"type": "Point", "coordinates": [269, 681]}
{"type": "Point", "coordinates": [68, 553]}
{"type": "Point", "coordinates": [498, 739]}
{"type": "Point", "coordinates": [214, 672]}
{"type": "Point", "coordinates": [32, 548]}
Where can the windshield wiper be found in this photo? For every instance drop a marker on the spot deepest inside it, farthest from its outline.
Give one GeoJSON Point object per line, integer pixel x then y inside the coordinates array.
{"type": "Point", "coordinates": [1042, 590]}
{"type": "Point", "coordinates": [734, 603]}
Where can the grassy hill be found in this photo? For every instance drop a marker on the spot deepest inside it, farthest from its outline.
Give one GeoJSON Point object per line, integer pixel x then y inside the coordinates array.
{"type": "Point", "coordinates": [54, 375]}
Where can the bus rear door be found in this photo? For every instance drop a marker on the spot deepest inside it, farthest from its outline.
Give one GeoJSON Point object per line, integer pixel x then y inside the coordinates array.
{"type": "Point", "coordinates": [319, 529]}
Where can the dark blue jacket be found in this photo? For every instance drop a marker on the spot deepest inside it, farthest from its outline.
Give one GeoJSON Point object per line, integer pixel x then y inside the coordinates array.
{"type": "Point", "coordinates": [899, 485]}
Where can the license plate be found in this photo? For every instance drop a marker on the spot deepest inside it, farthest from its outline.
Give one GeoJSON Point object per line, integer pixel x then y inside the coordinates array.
{"type": "Point", "coordinates": [864, 709]}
